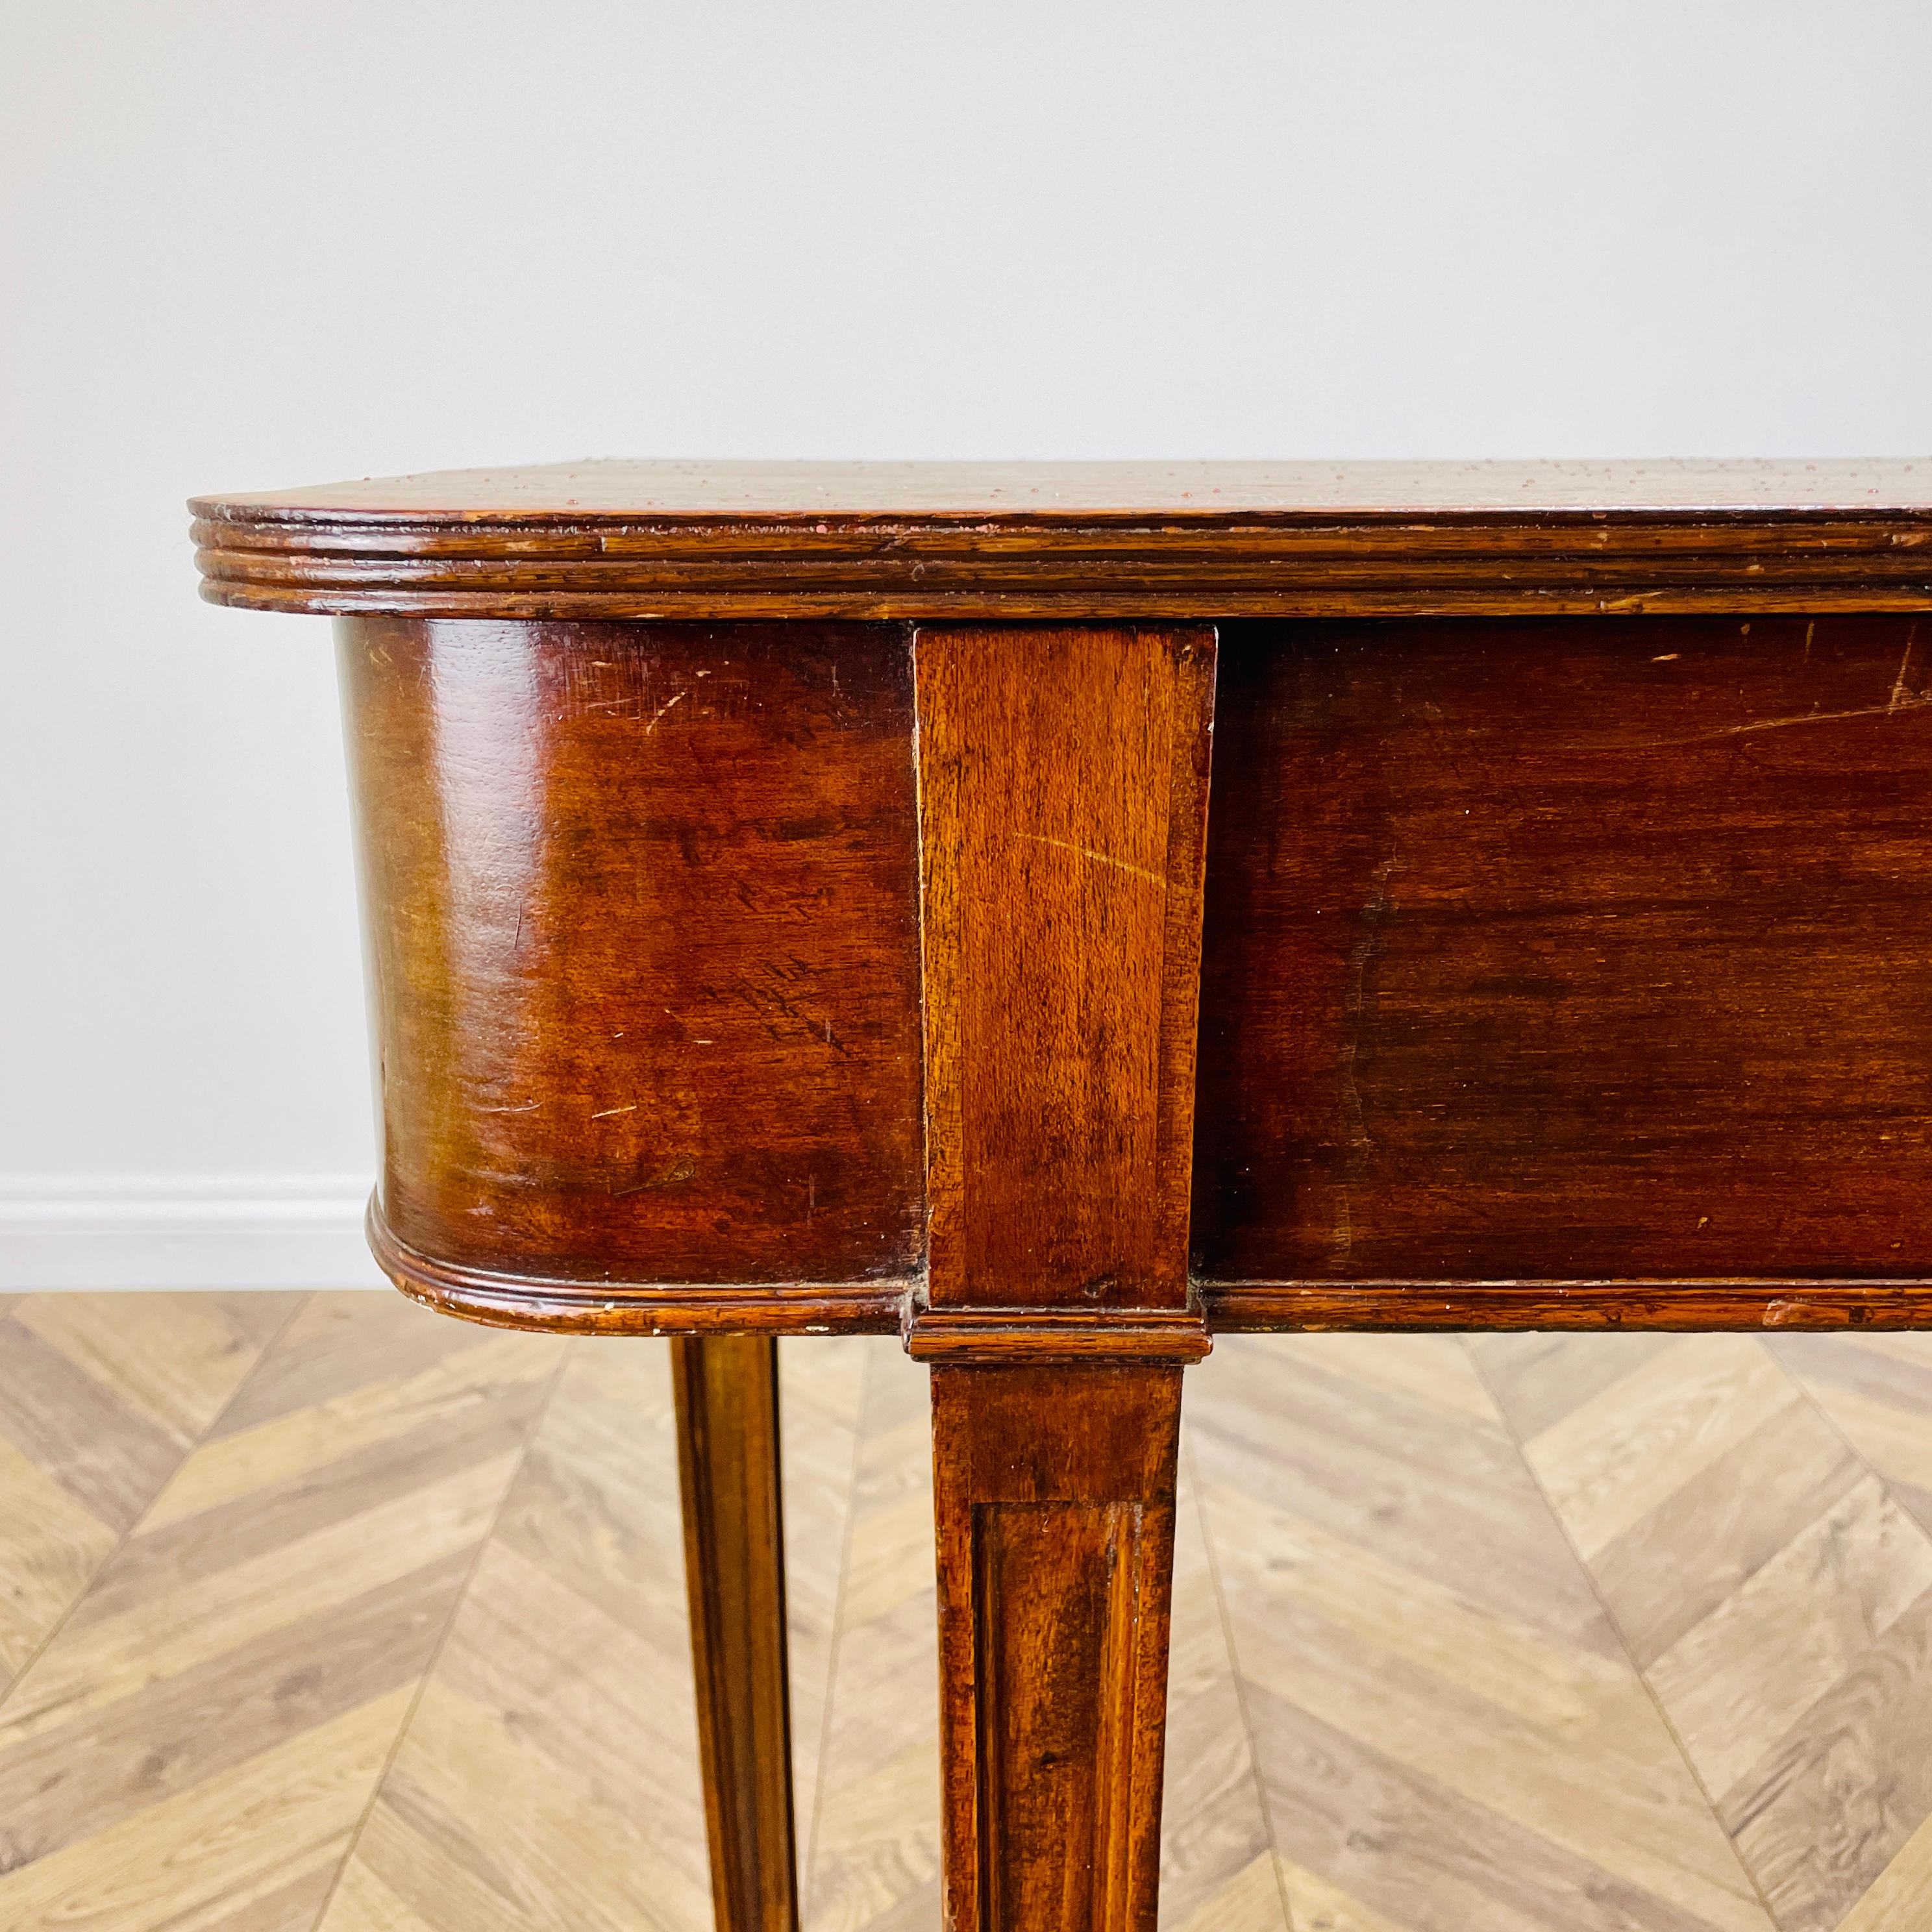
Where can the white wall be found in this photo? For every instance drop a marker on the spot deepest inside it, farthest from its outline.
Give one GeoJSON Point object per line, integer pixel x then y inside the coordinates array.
{"type": "Point", "coordinates": [261, 243]}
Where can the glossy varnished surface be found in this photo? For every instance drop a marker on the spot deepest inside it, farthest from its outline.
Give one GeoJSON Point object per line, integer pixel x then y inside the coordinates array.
{"type": "Point", "coordinates": [726, 1388]}
{"type": "Point", "coordinates": [1054, 1508]}
{"type": "Point", "coordinates": [1556, 971]}
{"type": "Point", "coordinates": [1063, 789]}
{"type": "Point", "coordinates": [641, 904]}
{"type": "Point", "coordinates": [1124, 541]}
{"type": "Point", "coordinates": [1569, 950]}
{"type": "Point", "coordinates": [1062, 780]}
{"type": "Point", "coordinates": [1557, 959]}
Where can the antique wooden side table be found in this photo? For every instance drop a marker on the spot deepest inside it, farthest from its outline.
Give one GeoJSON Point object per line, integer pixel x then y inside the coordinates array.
{"type": "Point", "coordinates": [794, 908]}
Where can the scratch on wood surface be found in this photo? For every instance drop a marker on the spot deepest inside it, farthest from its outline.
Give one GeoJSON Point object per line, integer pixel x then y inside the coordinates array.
{"type": "Point", "coordinates": [1900, 700]}
{"type": "Point", "coordinates": [659, 712]}
{"type": "Point", "coordinates": [1098, 858]}
{"type": "Point", "coordinates": [1901, 693]}
{"type": "Point", "coordinates": [1901, 697]}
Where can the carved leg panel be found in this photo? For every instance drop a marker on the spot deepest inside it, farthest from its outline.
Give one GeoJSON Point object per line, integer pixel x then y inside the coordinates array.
{"type": "Point", "coordinates": [1054, 1501]}
{"type": "Point", "coordinates": [727, 1435]}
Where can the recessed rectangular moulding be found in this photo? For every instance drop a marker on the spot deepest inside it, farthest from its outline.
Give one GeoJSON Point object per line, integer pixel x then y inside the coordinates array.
{"type": "Point", "coordinates": [1056, 1586]}
{"type": "Point", "coordinates": [1569, 948]}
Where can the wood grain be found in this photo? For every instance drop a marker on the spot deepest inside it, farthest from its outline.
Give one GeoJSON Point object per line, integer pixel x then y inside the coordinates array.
{"type": "Point", "coordinates": [641, 907]}
{"type": "Point", "coordinates": [1063, 790]}
{"type": "Point", "coordinates": [727, 1389]}
{"type": "Point", "coordinates": [1533, 942]}
{"type": "Point", "coordinates": [197, 1740]}
{"type": "Point", "coordinates": [101, 1397]}
{"type": "Point", "coordinates": [1778, 1596]}
{"type": "Point", "coordinates": [1493, 968]}
{"type": "Point", "coordinates": [1540, 955]}
{"type": "Point", "coordinates": [1875, 1391]}
{"type": "Point", "coordinates": [1561, 963]}
{"type": "Point", "coordinates": [550, 1775]}
{"type": "Point", "coordinates": [1449, 1306]}
{"type": "Point", "coordinates": [1429, 1693]}
{"type": "Point", "coordinates": [874, 1859]}
{"type": "Point", "coordinates": [1094, 542]}
{"type": "Point", "coordinates": [1449, 1733]}
{"type": "Point", "coordinates": [570, 499]}
{"type": "Point", "coordinates": [1053, 1508]}
{"type": "Point", "coordinates": [1217, 1864]}
{"type": "Point", "coordinates": [1062, 780]}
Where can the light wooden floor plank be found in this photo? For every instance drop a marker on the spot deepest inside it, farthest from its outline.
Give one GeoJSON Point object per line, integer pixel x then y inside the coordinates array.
{"type": "Point", "coordinates": [1706, 1540]}
{"type": "Point", "coordinates": [1777, 1592]}
{"type": "Point", "coordinates": [1388, 1845]}
{"type": "Point", "coordinates": [338, 1343]}
{"type": "Point", "coordinates": [1876, 1391]}
{"type": "Point", "coordinates": [1447, 1501]}
{"type": "Point", "coordinates": [560, 1717]}
{"type": "Point", "coordinates": [1607, 1463]}
{"type": "Point", "coordinates": [176, 1359]}
{"type": "Point", "coordinates": [1822, 1815]}
{"type": "Point", "coordinates": [50, 1545]}
{"type": "Point", "coordinates": [207, 1856]}
{"type": "Point", "coordinates": [1217, 1863]}
{"type": "Point", "coordinates": [550, 1776]}
{"type": "Point", "coordinates": [1900, 1900]}
{"type": "Point", "coordinates": [873, 1856]}
{"type": "Point", "coordinates": [101, 1397]}
{"type": "Point", "coordinates": [1520, 1726]}
{"type": "Point", "coordinates": [1736, 1683]}
{"type": "Point", "coordinates": [232, 1464]}
{"type": "Point", "coordinates": [262, 1607]}
{"type": "Point", "coordinates": [821, 1387]}
{"type": "Point", "coordinates": [103, 1661]}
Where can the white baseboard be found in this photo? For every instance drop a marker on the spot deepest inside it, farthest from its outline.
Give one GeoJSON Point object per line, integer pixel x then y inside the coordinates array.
{"type": "Point", "coordinates": [183, 1230]}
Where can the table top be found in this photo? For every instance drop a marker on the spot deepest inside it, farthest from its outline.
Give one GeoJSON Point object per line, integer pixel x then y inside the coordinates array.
{"type": "Point", "coordinates": [1191, 492]}
{"type": "Point", "coordinates": [1081, 541]}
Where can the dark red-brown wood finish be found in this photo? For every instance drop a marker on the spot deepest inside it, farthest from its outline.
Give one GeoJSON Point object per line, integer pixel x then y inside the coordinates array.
{"type": "Point", "coordinates": [794, 905]}
{"type": "Point", "coordinates": [1088, 542]}
{"type": "Point", "coordinates": [644, 952]}
{"type": "Point", "coordinates": [1584, 955]}
{"type": "Point", "coordinates": [1062, 791]}
{"type": "Point", "coordinates": [726, 1389]}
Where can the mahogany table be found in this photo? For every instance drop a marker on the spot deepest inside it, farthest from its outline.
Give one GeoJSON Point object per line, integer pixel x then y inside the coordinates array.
{"type": "Point", "coordinates": [793, 908]}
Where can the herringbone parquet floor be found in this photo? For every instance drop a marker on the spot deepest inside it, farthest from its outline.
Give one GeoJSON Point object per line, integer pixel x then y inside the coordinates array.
{"type": "Point", "coordinates": [322, 1614]}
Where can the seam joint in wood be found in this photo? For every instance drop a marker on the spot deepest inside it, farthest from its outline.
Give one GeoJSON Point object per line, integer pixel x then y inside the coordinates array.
{"type": "Point", "coordinates": [1020, 1336]}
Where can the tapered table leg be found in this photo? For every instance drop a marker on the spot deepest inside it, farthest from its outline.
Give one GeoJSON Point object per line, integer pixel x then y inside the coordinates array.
{"type": "Point", "coordinates": [1062, 805]}
{"type": "Point", "coordinates": [1054, 1495]}
{"type": "Point", "coordinates": [727, 1435]}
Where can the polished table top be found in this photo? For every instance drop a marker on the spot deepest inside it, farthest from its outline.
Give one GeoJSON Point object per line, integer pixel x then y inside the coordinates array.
{"type": "Point", "coordinates": [1092, 540]}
